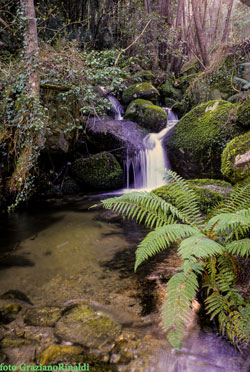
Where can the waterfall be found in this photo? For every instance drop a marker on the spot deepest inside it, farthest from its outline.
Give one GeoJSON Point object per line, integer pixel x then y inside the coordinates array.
{"type": "Point", "coordinates": [116, 107]}
{"type": "Point", "coordinates": [146, 168]}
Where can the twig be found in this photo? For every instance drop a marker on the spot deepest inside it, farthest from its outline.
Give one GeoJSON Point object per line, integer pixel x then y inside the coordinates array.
{"type": "Point", "coordinates": [136, 39]}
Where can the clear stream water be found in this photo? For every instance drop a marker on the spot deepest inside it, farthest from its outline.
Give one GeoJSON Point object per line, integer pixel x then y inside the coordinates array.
{"type": "Point", "coordinates": [60, 250]}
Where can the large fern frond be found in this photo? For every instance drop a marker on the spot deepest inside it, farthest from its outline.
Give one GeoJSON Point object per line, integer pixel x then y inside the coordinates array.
{"type": "Point", "coordinates": [177, 308]}
{"type": "Point", "coordinates": [236, 223]}
{"type": "Point", "coordinates": [199, 246]}
{"type": "Point", "coordinates": [145, 207]}
{"type": "Point", "coordinates": [239, 247]}
{"type": "Point", "coordinates": [160, 239]}
{"type": "Point", "coordinates": [185, 198]}
{"type": "Point", "coordinates": [239, 199]}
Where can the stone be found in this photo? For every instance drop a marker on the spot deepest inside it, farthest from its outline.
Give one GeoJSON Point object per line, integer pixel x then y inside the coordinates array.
{"type": "Point", "coordinates": [236, 159]}
{"type": "Point", "coordinates": [42, 317]}
{"type": "Point", "coordinates": [150, 116]}
{"type": "Point", "coordinates": [167, 91]}
{"type": "Point", "coordinates": [140, 90]}
{"type": "Point", "coordinates": [196, 142]}
{"type": "Point", "coordinates": [59, 353]}
{"type": "Point", "coordinates": [87, 327]}
{"type": "Point", "coordinates": [99, 172]}
{"type": "Point", "coordinates": [243, 113]}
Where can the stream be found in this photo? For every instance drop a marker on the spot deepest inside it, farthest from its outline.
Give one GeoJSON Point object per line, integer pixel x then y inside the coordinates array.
{"type": "Point", "coordinates": [60, 253]}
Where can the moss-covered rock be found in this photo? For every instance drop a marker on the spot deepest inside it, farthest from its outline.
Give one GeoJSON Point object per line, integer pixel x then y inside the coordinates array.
{"type": "Point", "coordinates": [235, 163]}
{"type": "Point", "coordinates": [43, 317]}
{"type": "Point", "coordinates": [142, 76]}
{"type": "Point", "coordinates": [11, 342]}
{"type": "Point", "coordinates": [140, 90]}
{"type": "Point", "coordinates": [190, 67]}
{"type": "Point", "coordinates": [8, 312]}
{"type": "Point", "coordinates": [196, 143]}
{"type": "Point", "coordinates": [150, 116]}
{"type": "Point", "coordinates": [85, 326]}
{"type": "Point", "coordinates": [58, 353]}
{"type": "Point", "coordinates": [243, 113]}
{"type": "Point", "coordinates": [98, 172]}
{"type": "Point", "coordinates": [167, 91]}
{"type": "Point", "coordinates": [209, 192]}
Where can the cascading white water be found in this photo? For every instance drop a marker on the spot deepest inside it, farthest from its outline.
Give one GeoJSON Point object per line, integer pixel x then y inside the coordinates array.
{"type": "Point", "coordinates": [149, 163]}
{"type": "Point", "coordinates": [116, 107]}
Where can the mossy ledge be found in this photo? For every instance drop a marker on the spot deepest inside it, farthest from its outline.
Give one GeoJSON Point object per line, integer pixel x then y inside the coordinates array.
{"type": "Point", "coordinates": [197, 141]}
{"type": "Point", "coordinates": [140, 90]}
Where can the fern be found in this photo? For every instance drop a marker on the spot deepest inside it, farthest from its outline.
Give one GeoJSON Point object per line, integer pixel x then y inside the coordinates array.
{"type": "Point", "coordinates": [207, 250]}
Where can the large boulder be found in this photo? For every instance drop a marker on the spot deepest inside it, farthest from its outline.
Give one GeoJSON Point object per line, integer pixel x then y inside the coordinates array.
{"type": "Point", "coordinates": [243, 113]}
{"type": "Point", "coordinates": [196, 143]}
{"type": "Point", "coordinates": [99, 172]}
{"type": "Point", "coordinates": [167, 91]}
{"type": "Point", "coordinates": [140, 90]}
{"type": "Point", "coordinates": [150, 116]}
{"type": "Point", "coordinates": [121, 137]}
{"type": "Point", "coordinates": [236, 158]}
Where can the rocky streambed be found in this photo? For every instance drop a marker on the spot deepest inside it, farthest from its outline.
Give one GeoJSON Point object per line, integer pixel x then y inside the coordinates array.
{"type": "Point", "coordinates": [69, 295]}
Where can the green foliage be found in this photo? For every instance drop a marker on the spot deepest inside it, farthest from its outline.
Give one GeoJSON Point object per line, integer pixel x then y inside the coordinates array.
{"type": "Point", "coordinates": [207, 249]}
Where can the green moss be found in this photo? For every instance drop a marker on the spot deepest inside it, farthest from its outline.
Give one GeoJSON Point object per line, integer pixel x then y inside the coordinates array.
{"type": "Point", "coordinates": [202, 134]}
{"type": "Point", "coordinates": [143, 75]}
{"type": "Point", "coordinates": [140, 90]}
{"type": "Point", "coordinates": [190, 67]}
{"type": "Point", "coordinates": [235, 163]}
{"type": "Point", "coordinates": [98, 172]}
{"type": "Point", "coordinates": [150, 116]}
{"type": "Point", "coordinates": [55, 351]}
{"type": "Point", "coordinates": [243, 113]}
{"type": "Point", "coordinates": [42, 317]}
{"type": "Point", "coordinates": [209, 192]}
{"type": "Point", "coordinates": [15, 342]}
{"type": "Point", "coordinates": [168, 91]}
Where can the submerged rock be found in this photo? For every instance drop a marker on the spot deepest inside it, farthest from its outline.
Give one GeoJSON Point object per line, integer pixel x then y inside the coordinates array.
{"type": "Point", "coordinates": [140, 90]}
{"type": "Point", "coordinates": [42, 317]}
{"type": "Point", "coordinates": [60, 353]}
{"type": "Point", "coordinates": [99, 172]}
{"type": "Point", "coordinates": [236, 159]}
{"type": "Point", "coordinates": [150, 116]}
{"type": "Point", "coordinates": [83, 325]}
{"type": "Point", "coordinates": [196, 143]}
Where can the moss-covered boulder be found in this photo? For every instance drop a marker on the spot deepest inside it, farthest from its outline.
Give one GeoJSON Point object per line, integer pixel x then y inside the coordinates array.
{"type": "Point", "coordinates": [196, 143]}
{"type": "Point", "coordinates": [209, 192]}
{"type": "Point", "coordinates": [85, 326]}
{"type": "Point", "coordinates": [235, 163]}
{"type": "Point", "coordinates": [243, 113]}
{"type": "Point", "coordinates": [150, 116]}
{"type": "Point", "coordinates": [99, 172]}
{"type": "Point", "coordinates": [140, 90]}
{"type": "Point", "coordinates": [142, 76]}
{"type": "Point", "coordinates": [167, 90]}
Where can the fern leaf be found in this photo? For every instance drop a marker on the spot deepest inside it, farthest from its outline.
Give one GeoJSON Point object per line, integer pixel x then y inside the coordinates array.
{"type": "Point", "coordinates": [145, 207]}
{"type": "Point", "coordinates": [199, 246]}
{"type": "Point", "coordinates": [177, 308]}
{"type": "Point", "coordinates": [160, 239]}
{"type": "Point", "coordinates": [239, 247]}
{"type": "Point", "coordinates": [238, 200]}
{"type": "Point", "coordinates": [225, 222]}
{"type": "Point", "coordinates": [185, 198]}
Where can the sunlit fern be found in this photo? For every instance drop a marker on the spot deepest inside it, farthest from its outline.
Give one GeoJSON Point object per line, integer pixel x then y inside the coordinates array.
{"type": "Point", "coordinates": [206, 248]}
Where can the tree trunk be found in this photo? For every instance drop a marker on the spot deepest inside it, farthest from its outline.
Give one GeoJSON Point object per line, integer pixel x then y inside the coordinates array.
{"type": "Point", "coordinates": [31, 47]}
{"type": "Point", "coordinates": [201, 36]}
{"type": "Point", "coordinates": [225, 33]}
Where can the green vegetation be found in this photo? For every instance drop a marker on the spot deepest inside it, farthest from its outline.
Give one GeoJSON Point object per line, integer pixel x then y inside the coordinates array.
{"type": "Point", "coordinates": [235, 163]}
{"type": "Point", "coordinates": [208, 250]}
{"type": "Point", "coordinates": [144, 112]}
{"type": "Point", "coordinates": [140, 90]}
{"type": "Point", "coordinates": [243, 113]}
